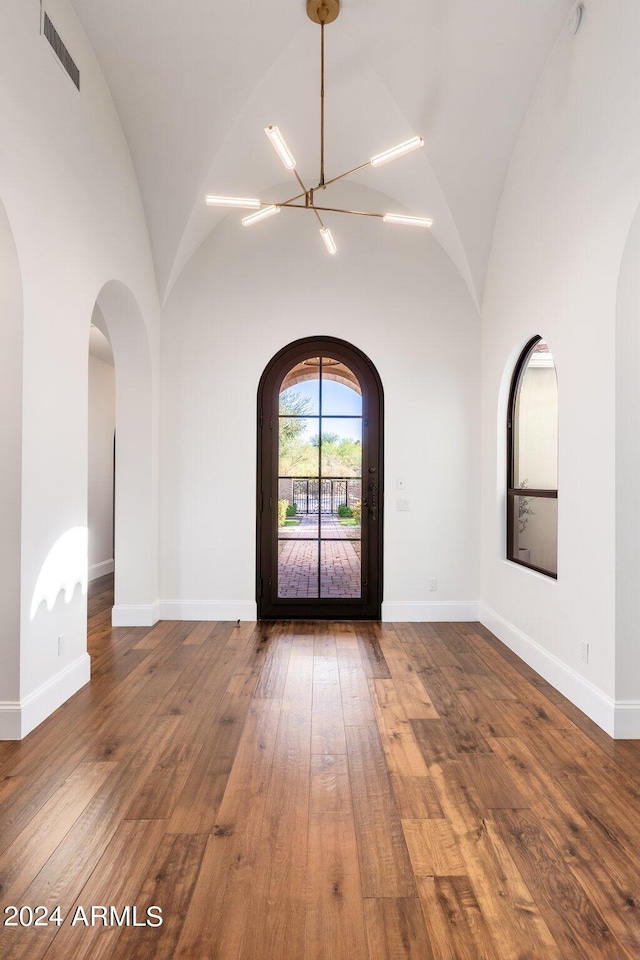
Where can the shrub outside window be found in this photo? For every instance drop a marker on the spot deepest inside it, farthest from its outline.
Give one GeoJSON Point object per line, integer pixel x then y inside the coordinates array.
{"type": "Point", "coordinates": [532, 461]}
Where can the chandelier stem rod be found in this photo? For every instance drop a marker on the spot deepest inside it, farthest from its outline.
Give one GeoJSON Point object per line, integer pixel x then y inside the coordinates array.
{"type": "Point", "coordinates": [322, 104]}
{"type": "Point", "coordinates": [357, 213]}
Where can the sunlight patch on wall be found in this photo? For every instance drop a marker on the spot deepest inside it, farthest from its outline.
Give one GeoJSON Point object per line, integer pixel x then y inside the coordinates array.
{"type": "Point", "coordinates": [65, 568]}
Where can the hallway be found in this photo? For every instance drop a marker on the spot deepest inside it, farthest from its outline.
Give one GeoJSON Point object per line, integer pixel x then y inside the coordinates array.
{"type": "Point", "coordinates": [304, 790]}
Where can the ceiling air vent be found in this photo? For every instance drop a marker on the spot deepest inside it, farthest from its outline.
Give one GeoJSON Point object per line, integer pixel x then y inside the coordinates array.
{"type": "Point", "coordinates": [60, 50]}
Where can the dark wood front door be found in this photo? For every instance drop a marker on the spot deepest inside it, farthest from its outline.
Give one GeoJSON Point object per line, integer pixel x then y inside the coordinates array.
{"type": "Point", "coordinates": [320, 476]}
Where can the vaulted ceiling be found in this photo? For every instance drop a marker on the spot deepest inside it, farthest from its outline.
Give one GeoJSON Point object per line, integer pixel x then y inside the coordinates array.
{"type": "Point", "coordinates": [196, 82]}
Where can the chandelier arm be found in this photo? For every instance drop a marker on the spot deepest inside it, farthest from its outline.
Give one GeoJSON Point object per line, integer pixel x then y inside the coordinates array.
{"type": "Point", "coordinates": [355, 213]}
{"type": "Point", "coordinates": [320, 220]}
{"type": "Point", "coordinates": [341, 176]}
{"type": "Point", "coordinates": [298, 196]}
{"type": "Point", "coordinates": [299, 179]}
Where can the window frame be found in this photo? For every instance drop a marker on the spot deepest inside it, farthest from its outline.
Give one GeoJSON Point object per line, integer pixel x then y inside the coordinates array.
{"type": "Point", "coordinates": [512, 491]}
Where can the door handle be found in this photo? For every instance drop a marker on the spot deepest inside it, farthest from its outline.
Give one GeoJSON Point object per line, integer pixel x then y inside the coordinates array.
{"type": "Point", "coordinates": [373, 504]}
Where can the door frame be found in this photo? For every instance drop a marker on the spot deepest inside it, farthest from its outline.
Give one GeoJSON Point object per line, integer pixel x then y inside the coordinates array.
{"type": "Point", "coordinates": [369, 605]}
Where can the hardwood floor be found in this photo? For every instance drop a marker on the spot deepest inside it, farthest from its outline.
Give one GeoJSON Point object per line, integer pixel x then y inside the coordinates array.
{"type": "Point", "coordinates": [297, 791]}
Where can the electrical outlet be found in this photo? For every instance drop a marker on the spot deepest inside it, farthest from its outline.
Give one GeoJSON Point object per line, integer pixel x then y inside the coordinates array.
{"type": "Point", "coordinates": [433, 584]}
{"type": "Point", "coordinates": [61, 644]}
{"type": "Point", "coordinates": [402, 504]}
{"type": "Point", "coordinates": [584, 652]}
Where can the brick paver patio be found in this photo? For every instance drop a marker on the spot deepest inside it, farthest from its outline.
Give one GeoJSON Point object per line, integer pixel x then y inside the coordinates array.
{"type": "Point", "coordinates": [298, 560]}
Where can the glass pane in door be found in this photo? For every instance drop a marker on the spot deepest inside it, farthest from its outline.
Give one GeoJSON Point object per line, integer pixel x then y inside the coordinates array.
{"type": "Point", "coordinates": [341, 391]}
{"type": "Point", "coordinates": [341, 480]}
{"type": "Point", "coordinates": [341, 447]}
{"type": "Point", "coordinates": [340, 569]}
{"type": "Point", "coordinates": [298, 572]}
{"type": "Point", "coordinates": [320, 481]}
{"type": "Point", "coordinates": [300, 389]}
{"type": "Point", "coordinates": [299, 481]}
{"type": "Point", "coordinates": [298, 453]}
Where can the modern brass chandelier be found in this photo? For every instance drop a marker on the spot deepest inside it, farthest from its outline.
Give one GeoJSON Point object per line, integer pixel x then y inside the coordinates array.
{"type": "Point", "coordinates": [321, 12]}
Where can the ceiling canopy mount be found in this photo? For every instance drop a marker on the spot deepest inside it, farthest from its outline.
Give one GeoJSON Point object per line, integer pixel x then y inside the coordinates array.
{"type": "Point", "coordinates": [323, 11]}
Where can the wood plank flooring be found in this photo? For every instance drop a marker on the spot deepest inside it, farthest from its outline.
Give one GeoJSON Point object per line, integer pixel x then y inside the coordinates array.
{"type": "Point", "coordinates": [318, 791]}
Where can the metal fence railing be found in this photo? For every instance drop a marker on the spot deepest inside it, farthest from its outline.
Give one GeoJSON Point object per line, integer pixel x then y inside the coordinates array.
{"type": "Point", "coordinates": [326, 495]}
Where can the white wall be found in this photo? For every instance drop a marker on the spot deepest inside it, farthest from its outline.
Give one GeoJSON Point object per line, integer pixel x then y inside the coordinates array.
{"type": "Point", "coordinates": [627, 480]}
{"type": "Point", "coordinates": [11, 457]}
{"type": "Point", "coordinates": [70, 192]}
{"type": "Point", "coordinates": [102, 424]}
{"type": "Point", "coordinates": [572, 190]}
{"type": "Point", "coordinates": [245, 294]}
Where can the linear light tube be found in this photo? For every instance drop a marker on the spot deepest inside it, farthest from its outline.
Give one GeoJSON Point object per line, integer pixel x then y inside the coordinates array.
{"type": "Point", "coordinates": [410, 221]}
{"type": "Point", "coordinates": [245, 202]}
{"type": "Point", "coordinates": [328, 240]}
{"type": "Point", "coordinates": [398, 151]}
{"type": "Point", "coordinates": [260, 215]}
{"type": "Point", "coordinates": [280, 147]}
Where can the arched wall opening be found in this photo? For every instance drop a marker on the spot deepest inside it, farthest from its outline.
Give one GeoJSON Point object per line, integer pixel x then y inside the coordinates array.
{"type": "Point", "coordinates": [135, 537]}
{"type": "Point", "coordinates": [101, 454]}
{"type": "Point", "coordinates": [11, 453]}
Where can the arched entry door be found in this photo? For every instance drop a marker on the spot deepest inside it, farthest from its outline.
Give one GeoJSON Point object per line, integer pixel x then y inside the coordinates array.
{"type": "Point", "coordinates": [320, 477]}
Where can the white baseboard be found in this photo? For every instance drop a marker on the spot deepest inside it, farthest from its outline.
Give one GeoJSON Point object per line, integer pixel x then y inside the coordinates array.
{"type": "Point", "coordinates": [429, 611]}
{"type": "Point", "coordinates": [10, 720]}
{"type": "Point", "coordinates": [19, 718]}
{"type": "Point", "coordinates": [135, 615]}
{"type": "Point", "coordinates": [97, 570]}
{"type": "Point", "coordinates": [620, 719]}
{"type": "Point", "coordinates": [207, 610]}
{"type": "Point", "coordinates": [626, 724]}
